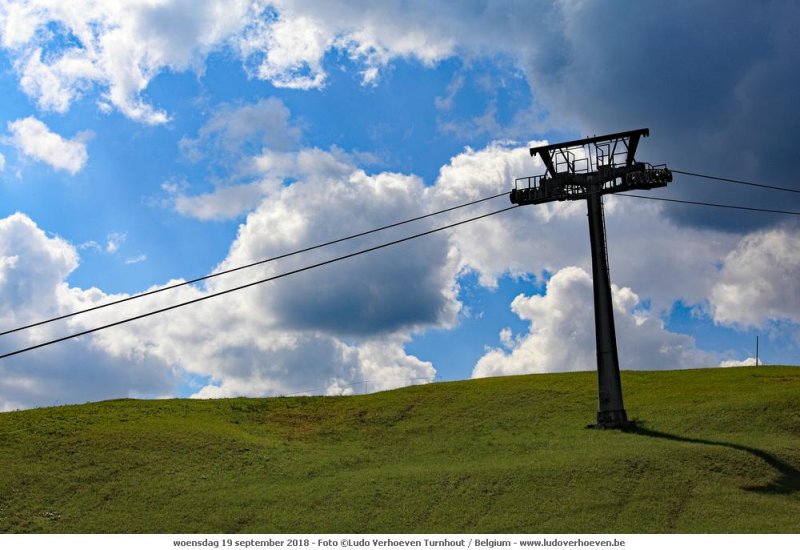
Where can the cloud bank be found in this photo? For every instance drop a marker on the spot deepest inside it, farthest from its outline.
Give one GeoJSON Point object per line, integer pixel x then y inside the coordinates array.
{"type": "Point", "coordinates": [561, 336]}
{"type": "Point", "coordinates": [331, 329]}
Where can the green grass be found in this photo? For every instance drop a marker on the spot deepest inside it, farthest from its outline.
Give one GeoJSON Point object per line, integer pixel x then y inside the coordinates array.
{"type": "Point", "coordinates": [718, 451]}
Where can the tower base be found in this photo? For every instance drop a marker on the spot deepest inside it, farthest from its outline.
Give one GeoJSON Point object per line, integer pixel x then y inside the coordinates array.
{"type": "Point", "coordinates": [612, 420]}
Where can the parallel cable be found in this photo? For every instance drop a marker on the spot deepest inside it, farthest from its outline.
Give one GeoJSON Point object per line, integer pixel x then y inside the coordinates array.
{"type": "Point", "coordinates": [740, 182]}
{"type": "Point", "coordinates": [339, 258]}
{"type": "Point", "coordinates": [716, 205]}
{"type": "Point", "coordinates": [254, 283]}
{"type": "Point", "coordinates": [239, 268]}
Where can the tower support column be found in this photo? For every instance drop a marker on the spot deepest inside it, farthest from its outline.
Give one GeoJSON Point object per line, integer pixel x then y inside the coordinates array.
{"type": "Point", "coordinates": [587, 169]}
{"type": "Point", "coordinates": [610, 411]}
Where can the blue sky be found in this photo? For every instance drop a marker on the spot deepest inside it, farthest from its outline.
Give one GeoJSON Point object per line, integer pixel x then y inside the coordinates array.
{"type": "Point", "coordinates": [148, 143]}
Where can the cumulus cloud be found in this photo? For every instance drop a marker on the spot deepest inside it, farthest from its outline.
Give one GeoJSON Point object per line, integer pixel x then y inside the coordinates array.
{"type": "Point", "coordinates": [758, 280]}
{"type": "Point", "coordinates": [544, 238]}
{"type": "Point", "coordinates": [385, 297]}
{"type": "Point", "coordinates": [115, 47]}
{"type": "Point", "coordinates": [315, 364]}
{"type": "Point", "coordinates": [332, 328]}
{"type": "Point", "coordinates": [33, 270]}
{"type": "Point", "coordinates": [33, 267]}
{"type": "Point", "coordinates": [63, 51]}
{"type": "Point", "coordinates": [394, 294]}
{"type": "Point", "coordinates": [252, 343]}
{"type": "Point", "coordinates": [221, 204]}
{"type": "Point", "coordinates": [289, 48]}
{"type": "Point", "coordinates": [245, 344]}
{"type": "Point", "coordinates": [698, 78]}
{"type": "Point", "coordinates": [749, 362]}
{"type": "Point", "coordinates": [254, 147]}
{"type": "Point", "coordinates": [562, 336]}
{"type": "Point", "coordinates": [698, 81]}
{"type": "Point", "coordinates": [388, 291]}
{"type": "Point", "coordinates": [34, 139]}
{"type": "Point", "coordinates": [288, 51]}
{"type": "Point", "coordinates": [262, 125]}
{"type": "Point", "coordinates": [257, 148]}
{"type": "Point", "coordinates": [328, 328]}
{"type": "Point", "coordinates": [279, 338]}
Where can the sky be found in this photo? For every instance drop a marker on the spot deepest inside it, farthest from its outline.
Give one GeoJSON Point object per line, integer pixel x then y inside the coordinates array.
{"type": "Point", "coordinates": [146, 143]}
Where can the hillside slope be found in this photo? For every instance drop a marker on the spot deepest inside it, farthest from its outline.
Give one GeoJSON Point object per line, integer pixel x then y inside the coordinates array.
{"type": "Point", "coordinates": [716, 450]}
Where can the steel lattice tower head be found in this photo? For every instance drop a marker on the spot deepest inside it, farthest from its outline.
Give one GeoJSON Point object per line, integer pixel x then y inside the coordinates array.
{"type": "Point", "coordinates": [587, 169]}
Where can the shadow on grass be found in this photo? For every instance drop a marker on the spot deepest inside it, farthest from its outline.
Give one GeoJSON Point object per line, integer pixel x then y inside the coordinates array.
{"type": "Point", "coordinates": [788, 480]}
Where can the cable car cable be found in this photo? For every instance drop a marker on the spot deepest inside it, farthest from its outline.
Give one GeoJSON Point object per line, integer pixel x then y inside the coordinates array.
{"type": "Point", "coordinates": [716, 205]}
{"type": "Point", "coordinates": [740, 182]}
{"type": "Point", "coordinates": [239, 268]}
{"type": "Point", "coordinates": [254, 283]}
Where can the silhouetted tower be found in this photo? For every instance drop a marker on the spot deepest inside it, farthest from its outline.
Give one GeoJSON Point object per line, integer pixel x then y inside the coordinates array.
{"type": "Point", "coordinates": [587, 169]}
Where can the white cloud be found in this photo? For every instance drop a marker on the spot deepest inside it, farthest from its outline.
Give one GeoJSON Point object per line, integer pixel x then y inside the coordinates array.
{"type": "Point", "coordinates": [289, 51]}
{"type": "Point", "coordinates": [313, 364]}
{"type": "Point", "coordinates": [136, 259]}
{"type": "Point", "coordinates": [716, 71]}
{"type": "Point", "coordinates": [222, 204]}
{"type": "Point", "coordinates": [255, 143]}
{"type": "Point", "coordinates": [34, 139]}
{"type": "Point", "coordinates": [57, 84]}
{"type": "Point", "coordinates": [2, 162]}
{"type": "Point", "coordinates": [562, 336]}
{"type": "Point", "coordinates": [334, 327]}
{"type": "Point", "coordinates": [445, 102]}
{"type": "Point", "coordinates": [339, 325]}
{"type": "Point", "coordinates": [231, 128]}
{"type": "Point", "coordinates": [114, 241]}
{"type": "Point", "coordinates": [749, 362]}
{"type": "Point", "coordinates": [330, 328]}
{"type": "Point", "coordinates": [545, 238]}
{"type": "Point", "coordinates": [758, 281]}
{"type": "Point", "coordinates": [90, 245]}
{"type": "Point", "coordinates": [392, 295]}
{"type": "Point", "coordinates": [33, 269]}
{"type": "Point", "coordinates": [259, 148]}
{"type": "Point", "coordinates": [385, 297]}
{"type": "Point", "coordinates": [116, 47]}
{"type": "Point", "coordinates": [382, 293]}
{"type": "Point", "coordinates": [241, 342]}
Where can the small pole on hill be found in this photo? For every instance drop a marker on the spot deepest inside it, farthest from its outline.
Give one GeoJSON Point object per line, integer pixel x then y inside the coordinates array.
{"type": "Point", "coordinates": [756, 350]}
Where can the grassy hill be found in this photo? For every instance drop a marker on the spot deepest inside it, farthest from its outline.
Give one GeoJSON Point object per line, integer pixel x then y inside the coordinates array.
{"type": "Point", "coordinates": [716, 451]}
